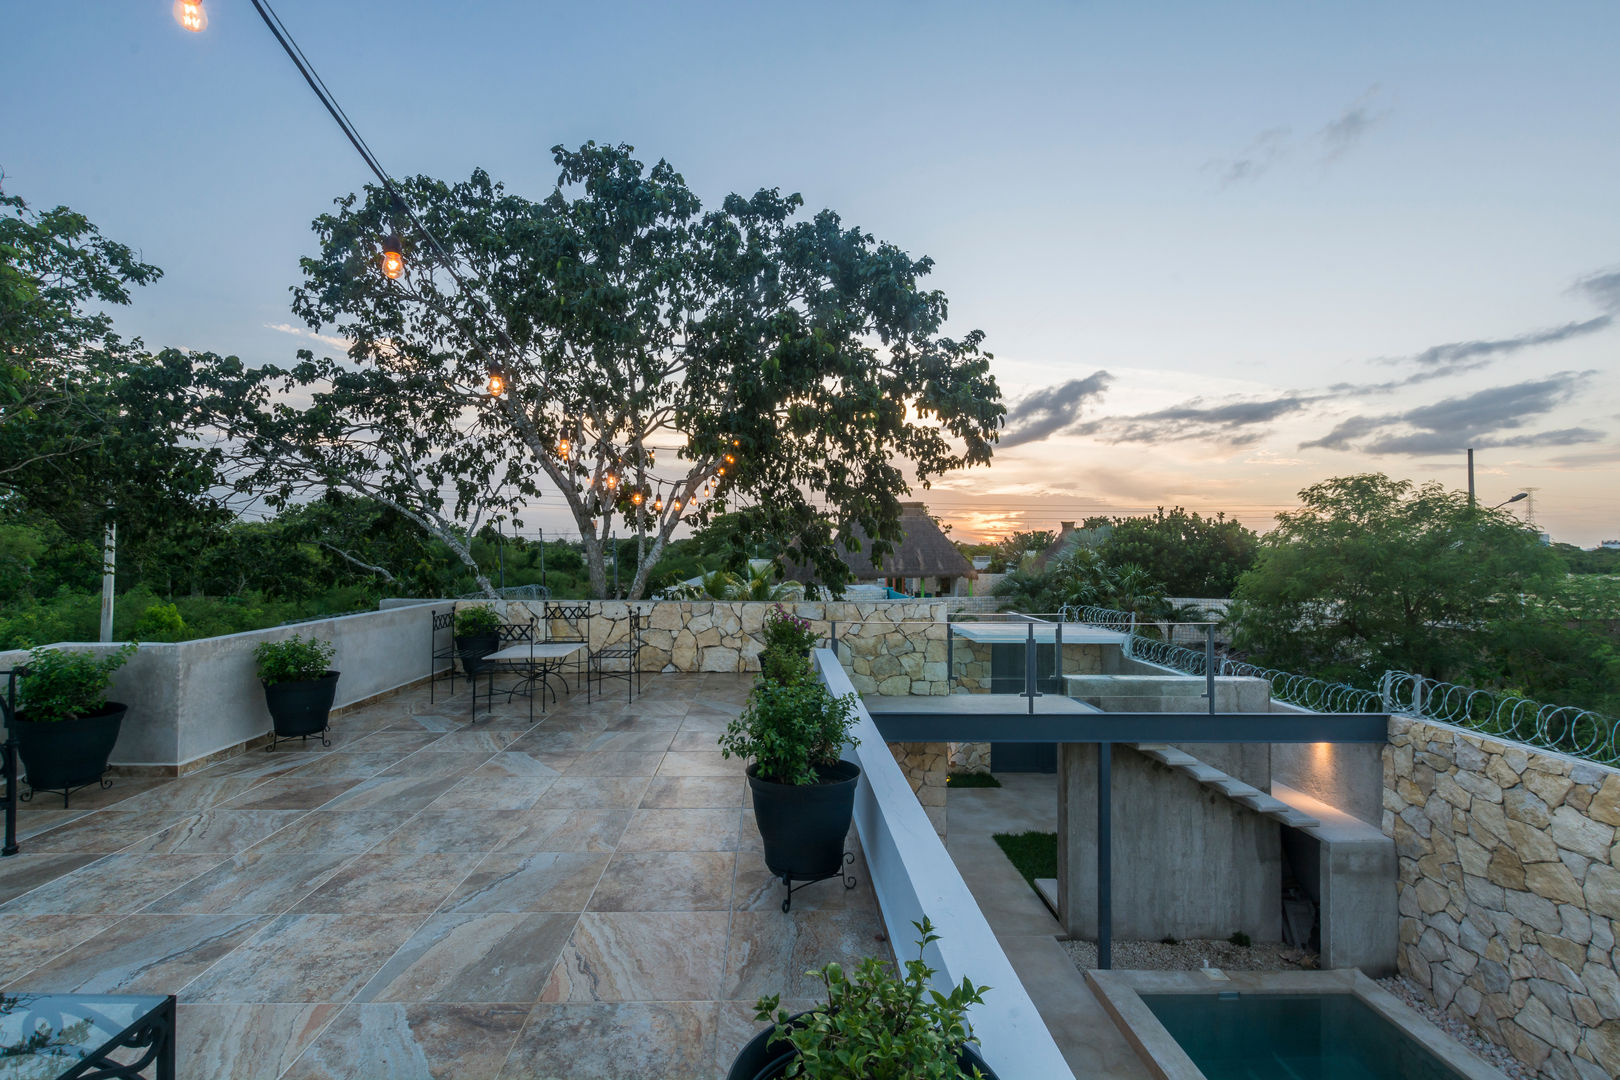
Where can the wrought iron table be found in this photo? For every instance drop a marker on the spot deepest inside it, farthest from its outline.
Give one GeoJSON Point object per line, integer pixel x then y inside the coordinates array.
{"type": "Point", "coordinates": [540, 660]}
{"type": "Point", "coordinates": [73, 1036]}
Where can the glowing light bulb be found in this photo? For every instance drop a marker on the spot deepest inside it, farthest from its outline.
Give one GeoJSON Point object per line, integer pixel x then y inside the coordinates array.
{"type": "Point", "coordinates": [191, 15]}
{"type": "Point", "coordinates": [562, 449]}
{"type": "Point", "coordinates": [676, 505]}
{"type": "Point", "coordinates": [736, 442]}
{"type": "Point", "coordinates": [658, 506]}
{"type": "Point", "coordinates": [496, 384]}
{"type": "Point", "coordinates": [721, 471]}
{"type": "Point", "coordinates": [635, 500]}
{"type": "Point", "coordinates": [611, 481]}
{"type": "Point", "coordinates": [393, 261]}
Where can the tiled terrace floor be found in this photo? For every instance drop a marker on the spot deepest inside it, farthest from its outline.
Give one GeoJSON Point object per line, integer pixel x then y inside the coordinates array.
{"type": "Point", "coordinates": [581, 897]}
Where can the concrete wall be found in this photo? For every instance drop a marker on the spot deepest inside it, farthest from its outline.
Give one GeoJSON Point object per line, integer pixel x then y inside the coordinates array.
{"type": "Point", "coordinates": [1347, 868]}
{"type": "Point", "coordinates": [1509, 891]}
{"type": "Point", "coordinates": [191, 701]}
{"type": "Point", "coordinates": [1187, 861]}
{"type": "Point", "coordinates": [1346, 776]}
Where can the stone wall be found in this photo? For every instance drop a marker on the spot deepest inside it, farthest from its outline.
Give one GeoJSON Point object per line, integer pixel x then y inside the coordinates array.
{"type": "Point", "coordinates": [888, 646]}
{"type": "Point", "coordinates": [926, 768]}
{"type": "Point", "coordinates": [1509, 891]}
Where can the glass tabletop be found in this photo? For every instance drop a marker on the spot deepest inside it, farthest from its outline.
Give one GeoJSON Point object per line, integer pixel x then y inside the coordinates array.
{"type": "Point", "coordinates": [41, 1034]}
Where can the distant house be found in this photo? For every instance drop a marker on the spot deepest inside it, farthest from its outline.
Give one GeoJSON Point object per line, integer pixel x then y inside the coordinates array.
{"type": "Point", "coordinates": [923, 563]}
{"type": "Point", "coordinates": [1610, 545]}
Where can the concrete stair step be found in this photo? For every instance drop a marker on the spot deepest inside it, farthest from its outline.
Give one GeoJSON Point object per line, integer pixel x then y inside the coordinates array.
{"type": "Point", "coordinates": [1231, 787]}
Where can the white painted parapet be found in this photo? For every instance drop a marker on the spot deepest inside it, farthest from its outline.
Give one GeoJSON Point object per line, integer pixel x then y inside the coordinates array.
{"type": "Point", "coordinates": [913, 875]}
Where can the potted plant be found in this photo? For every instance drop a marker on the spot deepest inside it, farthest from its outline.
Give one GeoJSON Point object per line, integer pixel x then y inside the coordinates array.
{"type": "Point", "coordinates": [298, 686]}
{"type": "Point", "coordinates": [65, 725]}
{"type": "Point", "coordinates": [874, 1027]}
{"type": "Point", "coordinates": [804, 795]}
{"type": "Point", "coordinates": [787, 632]}
{"type": "Point", "coordinates": [477, 634]}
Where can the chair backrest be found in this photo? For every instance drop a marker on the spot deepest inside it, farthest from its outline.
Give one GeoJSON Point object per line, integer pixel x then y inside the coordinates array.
{"type": "Point", "coordinates": [575, 620]}
{"type": "Point", "coordinates": [514, 633]}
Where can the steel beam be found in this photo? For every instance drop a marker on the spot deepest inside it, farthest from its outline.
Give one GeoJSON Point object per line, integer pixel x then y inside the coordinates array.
{"type": "Point", "coordinates": [997, 724]}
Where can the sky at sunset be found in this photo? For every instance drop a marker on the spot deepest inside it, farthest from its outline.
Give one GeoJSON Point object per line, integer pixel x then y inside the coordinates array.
{"type": "Point", "coordinates": [1220, 251]}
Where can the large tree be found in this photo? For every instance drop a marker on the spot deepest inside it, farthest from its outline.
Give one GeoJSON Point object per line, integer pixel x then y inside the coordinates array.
{"type": "Point", "coordinates": [91, 424]}
{"type": "Point", "coordinates": [1373, 573]}
{"type": "Point", "coordinates": [1187, 554]}
{"type": "Point", "coordinates": [659, 362]}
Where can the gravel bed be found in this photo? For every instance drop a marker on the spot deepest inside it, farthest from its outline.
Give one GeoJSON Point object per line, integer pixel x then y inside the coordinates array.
{"type": "Point", "coordinates": [1460, 1030]}
{"type": "Point", "coordinates": [1192, 955]}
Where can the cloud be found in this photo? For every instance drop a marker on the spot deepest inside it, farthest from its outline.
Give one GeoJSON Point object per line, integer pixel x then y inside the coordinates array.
{"type": "Point", "coordinates": [1478, 419]}
{"type": "Point", "coordinates": [1341, 134]}
{"type": "Point", "coordinates": [1049, 411]}
{"type": "Point", "coordinates": [1467, 355]}
{"type": "Point", "coordinates": [1227, 422]}
{"type": "Point", "coordinates": [1255, 159]}
{"type": "Point", "coordinates": [328, 340]}
{"type": "Point", "coordinates": [1603, 289]}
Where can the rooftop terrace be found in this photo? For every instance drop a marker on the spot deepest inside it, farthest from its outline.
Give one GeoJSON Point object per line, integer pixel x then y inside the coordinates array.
{"type": "Point", "coordinates": [431, 897]}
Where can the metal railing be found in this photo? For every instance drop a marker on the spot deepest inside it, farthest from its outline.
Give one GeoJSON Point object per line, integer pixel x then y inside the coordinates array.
{"type": "Point", "coordinates": [1565, 729]}
{"type": "Point", "coordinates": [512, 592]}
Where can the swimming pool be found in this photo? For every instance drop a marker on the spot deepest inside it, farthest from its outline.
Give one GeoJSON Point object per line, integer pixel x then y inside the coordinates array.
{"type": "Point", "coordinates": [1234, 1036]}
{"type": "Point", "coordinates": [1278, 1025]}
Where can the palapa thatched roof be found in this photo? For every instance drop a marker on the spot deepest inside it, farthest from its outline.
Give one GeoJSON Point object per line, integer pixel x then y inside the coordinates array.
{"type": "Point", "coordinates": [923, 551]}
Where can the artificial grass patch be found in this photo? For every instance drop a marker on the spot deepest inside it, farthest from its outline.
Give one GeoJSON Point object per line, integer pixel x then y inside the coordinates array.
{"type": "Point", "coordinates": [971, 779]}
{"type": "Point", "coordinates": [1033, 853]}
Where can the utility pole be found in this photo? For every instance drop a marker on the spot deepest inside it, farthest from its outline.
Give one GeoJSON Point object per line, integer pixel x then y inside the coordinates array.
{"type": "Point", "coordinates": [109, 564]}
{"type": "Point", "coordinates": [1470, 479]}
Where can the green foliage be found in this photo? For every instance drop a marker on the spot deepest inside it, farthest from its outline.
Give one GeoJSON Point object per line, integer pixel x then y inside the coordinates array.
{"type": "Point", "coordinates": [1596, 561]}
{"type": "Point", "coordinates": [972, 780]}
{"type": "Point", "coordinates": [1010, 551]}
{"type": "Point", "coordinates": [1186, 554]}
{"type": "Point", "coordinates": [878, 1027]}
{"type": "Point", "coordinates": [790, 732]}
{"type": "Point", "coordinates": [802, 357]}
{"type": "Point", "coordinates": [785, 667]}
{"type": "Point", "coordinates": [1373, 574]}
{"type": "Point", "coordinates": [1033, 853]}
{"type": "Point", "coordinates": [61, 685]}
{"type": "Point", "coordinates": [482, 619]}
{"type": "Point", "coordinates": [787, 631]}
{"type": "Point", "coordinates": [1240, 939]}
{"type": "Point", "coordinates": [160, 622]}
{"type": "Point", "coordinates": [293, 659]}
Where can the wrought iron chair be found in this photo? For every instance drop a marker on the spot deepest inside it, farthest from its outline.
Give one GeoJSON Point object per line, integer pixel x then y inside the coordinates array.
{"type": "Point", "coordinates": [508, 635]}
{"type": "Point", "coordinates": [570, 624]}
{"type": "Point", "coordinates": [442, 647]}
{"type": "Point", "coordinates": [628, 650]}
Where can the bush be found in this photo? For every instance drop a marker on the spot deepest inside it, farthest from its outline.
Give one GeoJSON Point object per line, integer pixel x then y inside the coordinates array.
{"type": "Point", "coordinates": [295, 659]}
{"type": "Point", "coordinates": [477, 620]}
{"type": "Point", "coordinates": [60, 685]}
{"type": "Point", "coordinates": [785, 668]}
{"type": "Point", "coordinates": [788, 632]}
{"type": "Point", "coordinates": [790, 731]}
{"type": "Point", "coordinates": [160, 622]}
{"type": "Point", "coordinates": [878, 1026]}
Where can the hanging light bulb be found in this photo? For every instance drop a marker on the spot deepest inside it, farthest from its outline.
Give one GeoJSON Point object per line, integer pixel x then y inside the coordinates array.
{"type": "Point", "coordinates": [496, 385]}
{"type": "Point", "coordinates": [191, 15]}
{"type": "Point", "coordinates": [730, 460]}
{"type": "Point", "coordinates": [562, 449]}
{"type": "Point", "coordinates": [658, 506]}
{"type": "Point", "coordinates": [393, 257]}
{"type": "Point", "coordinates": [611, 481]}
{"type": "Point", "coordinates": [635, 500]}
{"type": "Point", "coordinates": [736, 442]}
{"type": "Point", "coordinates": [721, 471]}
{"type": "Point", "coordinates": [652, 458]}
{"type": "Point", "coordinates": [675, 506]}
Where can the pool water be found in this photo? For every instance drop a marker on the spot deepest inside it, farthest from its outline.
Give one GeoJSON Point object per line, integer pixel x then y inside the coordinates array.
{"type": "Point", "coordinates": [1292, 1037]}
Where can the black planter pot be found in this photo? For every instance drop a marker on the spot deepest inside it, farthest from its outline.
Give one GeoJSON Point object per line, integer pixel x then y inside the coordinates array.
{"type": "Point", "coordinates": [804, 825]}
{"type": "Point", "coordinates": [767, 1057]}
{"type": "Point", "coordinates": [65, 754]}
{"type": "Point", "coordinates": [472, 648]}
{"type": "Point", "coordinates": [301, 707]}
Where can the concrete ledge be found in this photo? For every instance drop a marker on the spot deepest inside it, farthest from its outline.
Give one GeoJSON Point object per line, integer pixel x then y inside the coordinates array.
{"type": "Point", "coordinates": [913, 876]}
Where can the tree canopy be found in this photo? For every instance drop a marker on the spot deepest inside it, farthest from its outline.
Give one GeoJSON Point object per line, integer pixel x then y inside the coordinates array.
{"type": "Point", "coordinates": [1373, 573]}
{"type": "Point", "coordinates": [659, 362]}
{"type": "Point", "coordinates": [1188, 554]}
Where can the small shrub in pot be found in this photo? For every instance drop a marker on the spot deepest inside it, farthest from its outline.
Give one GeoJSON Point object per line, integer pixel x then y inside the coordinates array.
{"type": "Point", "coordinates": [787, 631]}
{"type": "Point", "coordinates": [874, 1026]}
{"type": "Point", "coordinates": [65, 726]}
{"type": "Point", "coordinates": [298, 687]}
{"type": "Point", "coordinates": [477, 634]}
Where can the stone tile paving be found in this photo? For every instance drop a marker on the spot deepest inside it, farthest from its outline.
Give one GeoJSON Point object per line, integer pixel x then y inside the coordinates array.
{"type": "Point", "coordinates": [579, 897]}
